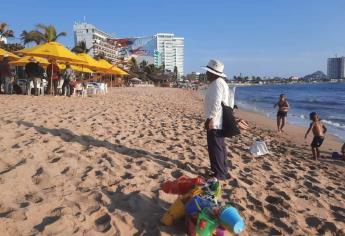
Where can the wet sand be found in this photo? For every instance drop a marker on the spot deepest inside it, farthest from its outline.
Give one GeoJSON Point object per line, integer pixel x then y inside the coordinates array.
{"type": "Point", "coordinates": [93, 166]}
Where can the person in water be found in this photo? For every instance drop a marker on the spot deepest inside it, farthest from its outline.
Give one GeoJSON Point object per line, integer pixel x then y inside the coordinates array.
{"type": "Point", "coordinates": [319, 130]}
{"type": "Point", "coordinates": [283, 108]}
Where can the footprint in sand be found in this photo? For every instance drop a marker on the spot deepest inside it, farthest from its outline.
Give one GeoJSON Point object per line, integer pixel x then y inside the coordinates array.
{"type": "Point", "coordinates": [102, 223]}
{"type": "Point", "coordinates": [33, 198]}
{"type": "Point", "coordinates": [86, 172]}
{"type": "Point", "coordinates": [37, 177]}
{"type": "Point", "coordinates": [48, 220]}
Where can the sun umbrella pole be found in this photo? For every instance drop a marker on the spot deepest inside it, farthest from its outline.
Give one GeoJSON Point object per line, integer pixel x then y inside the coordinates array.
{"type": "Point", "coordinates": [51, 81]}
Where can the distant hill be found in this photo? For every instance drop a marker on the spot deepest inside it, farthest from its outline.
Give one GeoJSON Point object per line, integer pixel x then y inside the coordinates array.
{"type": "Point", "coordinates": [318, 75]}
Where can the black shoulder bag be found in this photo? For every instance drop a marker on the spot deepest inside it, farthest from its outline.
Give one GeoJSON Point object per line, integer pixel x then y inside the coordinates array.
{"type": "Point", "coordinates": [230, 127]}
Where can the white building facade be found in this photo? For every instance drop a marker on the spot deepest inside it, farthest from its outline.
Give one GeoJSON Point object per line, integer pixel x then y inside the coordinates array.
{"type": "Point", "coordinates": [171, 52]}
{"type": "Point", "coordinates": [95, 39]}
{"type": "Point", "coordinates": [3, 39]}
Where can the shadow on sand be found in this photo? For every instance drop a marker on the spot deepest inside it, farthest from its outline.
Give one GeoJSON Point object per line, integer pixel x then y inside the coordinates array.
{"type": "Point", "coordinates": [134, 203]}
{"type": "Point", "coordinates": [88, 141]}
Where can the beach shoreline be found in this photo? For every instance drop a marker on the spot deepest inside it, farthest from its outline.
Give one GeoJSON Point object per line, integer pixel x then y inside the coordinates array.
{"type": "Point", "coordinates": [291, 131]}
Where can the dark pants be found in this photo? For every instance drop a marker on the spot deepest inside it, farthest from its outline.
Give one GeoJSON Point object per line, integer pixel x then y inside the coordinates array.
{"type": "Point", "coordinates": [217, 153]}
{"type": "Point", "coordinates": [67, 88]}
{"type": "Point", "coordinates": [55, 86]}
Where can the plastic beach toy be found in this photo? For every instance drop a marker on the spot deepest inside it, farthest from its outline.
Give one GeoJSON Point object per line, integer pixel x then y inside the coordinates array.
{"type": "Point", "coordinates": [191, 225]}
{"type": "Point", "coordinates": [232, 220]}
{"type": "Point", "coordinates": [196, 204]}
{"type": "Point", "coordinates": [182, 185]}
{"type": "Point", "coordinates": [259, 148]}
{"type": "Point", "coordinates": [175, 211]}
{"type": "Point", "coordinates": [206, 223]}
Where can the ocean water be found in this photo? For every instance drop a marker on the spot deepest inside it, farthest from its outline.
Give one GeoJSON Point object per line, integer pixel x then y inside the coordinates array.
{"type": "Point", "coordinates": [327, 99]}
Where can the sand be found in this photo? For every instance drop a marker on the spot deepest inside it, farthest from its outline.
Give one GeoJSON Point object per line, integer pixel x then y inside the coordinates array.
{"type": "Point", "coordinates": [93, 166]}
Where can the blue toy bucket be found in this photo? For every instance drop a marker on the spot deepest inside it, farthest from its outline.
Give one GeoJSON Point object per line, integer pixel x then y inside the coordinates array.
{"type": "Point", "coordinates": [196, 204]}
{"type": "Point", "coordinates": [232, 219]}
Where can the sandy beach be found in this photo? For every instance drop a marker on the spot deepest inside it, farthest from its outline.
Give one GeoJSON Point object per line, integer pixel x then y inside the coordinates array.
{"type": "Point", "coordinates": [93, 166]}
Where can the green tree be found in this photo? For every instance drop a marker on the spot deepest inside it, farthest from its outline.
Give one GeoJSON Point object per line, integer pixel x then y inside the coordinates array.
{"type": "Point", "coordinates": [175, 76]}
{"type": "Point", "coordinates": [99, 56]}
{"type": "Point", "coordinates": [42, 34]}
{"type": "Point", "coordinates": [143, 65]}
{"type": "Point", "coordinates": [11, 47]}
{"type": "Point", "coordinates": [162, 68]}
{"type": "Point", "coordinates": [31, 37]}
{"type": "Point", "coordinates": [5, 32]}
{"type": "Point", "coordinates": [133, 65]}
{"type": "Point", "coordinates": [81, 47]}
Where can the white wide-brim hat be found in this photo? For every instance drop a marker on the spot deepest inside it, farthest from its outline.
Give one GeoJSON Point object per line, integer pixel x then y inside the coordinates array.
{"type": "Point", "coordinates": [215, 67]}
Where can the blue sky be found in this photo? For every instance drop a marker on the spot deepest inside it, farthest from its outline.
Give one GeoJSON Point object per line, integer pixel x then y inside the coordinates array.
{"type": "Point", "coordinates": [252, 37]}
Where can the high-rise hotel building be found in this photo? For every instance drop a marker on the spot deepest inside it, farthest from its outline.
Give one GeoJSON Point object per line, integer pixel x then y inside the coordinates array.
{"type": "Point", "coordinates": [336, 68]}
{"type": "Point", "coordinates": [171, 50]}
{"type": "Point", "coordinates": [95, 39]}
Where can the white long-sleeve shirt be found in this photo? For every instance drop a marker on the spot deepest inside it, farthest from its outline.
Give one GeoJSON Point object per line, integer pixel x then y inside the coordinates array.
{"type": "Point", "coordinates": [216, 93]}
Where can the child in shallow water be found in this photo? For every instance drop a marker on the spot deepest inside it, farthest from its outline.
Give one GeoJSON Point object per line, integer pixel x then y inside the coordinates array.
{"type": "Point", "coordinates": [319, 130]}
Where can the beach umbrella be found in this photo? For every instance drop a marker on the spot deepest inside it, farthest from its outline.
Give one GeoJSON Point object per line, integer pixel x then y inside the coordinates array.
{"type": "Point", "coordinates": [9, 55]}
{"type": "Point", "coordinates": [90, 62]}
{"type": "Point", "coordinates": [75, 68]}
{"type": "Point", "coordinates": [81, 69]}
{"type": "Point", "coordinates": [52, 50]}
{"type": "Point", "coordinates": [22, 61]}
{"type": "Point", "coordinates": [111, 69]}
{"type": "Point", "coordinates": [135, 80]}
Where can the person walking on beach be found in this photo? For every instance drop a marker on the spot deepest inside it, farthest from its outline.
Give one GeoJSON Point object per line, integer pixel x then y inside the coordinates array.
{"type": "Point", "coordinates": [319, 130]}
{"type": "Point", "coordinates": [53, 72]}
{"type": "Point", "coordinates": [283, 108]}
{"type": "Point", "coordinates": [68, 77]}
{"type": "Point", "coordinates": [217, 93]}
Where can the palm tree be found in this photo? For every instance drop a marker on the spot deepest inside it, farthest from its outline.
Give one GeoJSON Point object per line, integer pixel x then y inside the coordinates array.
{"type": "Point", "coordinates": [99, 56]}
{"type": "Point", "coordinates": [143, 65]}
{"type": "Point", "coordinates": [42, 34]}
{"type": "Point", "coordinates": [5, 32]}
{"type": "Point", "coordinates": [31, 37]}
{"type": "Point", "coordinates": [175, 73]}
{"type": "Point", "coordinates": [81, 47]}
{"type": "Point", "coordinates": [133, 65]}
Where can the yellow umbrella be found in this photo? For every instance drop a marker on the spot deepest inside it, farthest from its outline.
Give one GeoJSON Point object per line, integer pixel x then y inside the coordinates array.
{"type": "Point", "coordinates": [52, 50]}
{"type": "Point", "coordinates": [25, 60]}
{"type": "Point", "coordinates": [110, 68]}
{"type": "Point", "coordinates": [118, 71]}
{"type": "Point", "coordinates": [9, 55]}
{"type": "Point", "coordinates": [90, 62]}
{"type": "Point", "coordinates": [81, 69]}
{"type": "Point", "coordinates": [75, 68]}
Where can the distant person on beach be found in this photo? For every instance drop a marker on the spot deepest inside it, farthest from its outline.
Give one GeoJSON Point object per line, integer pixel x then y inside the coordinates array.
{"type": "Point", "coordinates": [35, 74]}
{"type": "Point", "coordinates": [343, 150]}
{"type": "Point", "coordinates": [5, 74]}
{"type": "Point", "coordinates": [216, 93]}
{"type": "Point", "coordinates": [68, 79]}
{"type": "Point", "coordinates": [53, 72]}
{"type": "Point", "coordinates": [319, 130]}
{"type": "Point", "coordinates": [283, 108]}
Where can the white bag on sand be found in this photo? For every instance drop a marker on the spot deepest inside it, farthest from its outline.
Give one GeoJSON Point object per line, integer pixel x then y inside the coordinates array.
{"type": "Point", "coordinates": [259, 148]}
